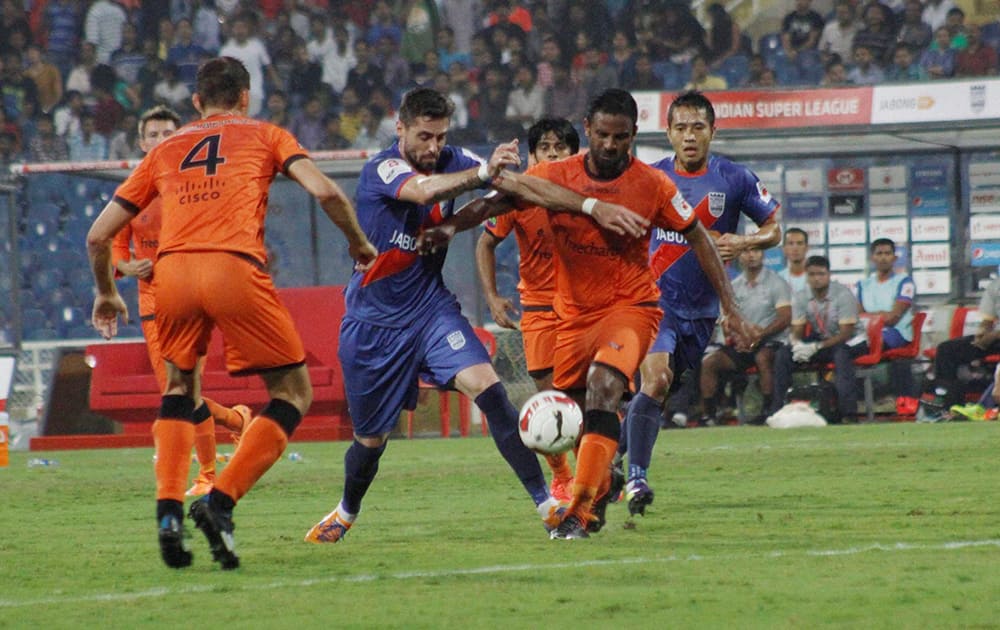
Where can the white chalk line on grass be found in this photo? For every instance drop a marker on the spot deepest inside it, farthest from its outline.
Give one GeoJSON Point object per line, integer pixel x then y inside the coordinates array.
{"type": "Point", "coordinates": [487, 570]}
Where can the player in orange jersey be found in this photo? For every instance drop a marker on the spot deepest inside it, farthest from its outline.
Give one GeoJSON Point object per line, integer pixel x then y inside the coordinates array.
{"type": "Point", "coordinates": [549, 139]}
{"type": "Point", "coordinates": [133, 254]}
{"type": "Point", "coordinates": [606, 294]}
{"type": "Point", "coordinates": [213, 176]}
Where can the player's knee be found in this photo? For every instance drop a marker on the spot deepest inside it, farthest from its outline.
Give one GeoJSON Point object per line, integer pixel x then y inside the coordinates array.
{"type": "Point", "coordinates": [601, 422]}
{"type": "Point", "coordinates": [657, 384]}
{"type": "Point", "coordinates": [284, 413]}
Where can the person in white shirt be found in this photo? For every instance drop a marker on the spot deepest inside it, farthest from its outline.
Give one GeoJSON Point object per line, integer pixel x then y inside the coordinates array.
{"type": "Point", "coordinates": [796, 249]}
{"type": "Point", "coordinates": [103, 27]}
{"type": "Point", "coordinates": [838, 34]}
{"type": "Point", "coordinates": [253, 54]}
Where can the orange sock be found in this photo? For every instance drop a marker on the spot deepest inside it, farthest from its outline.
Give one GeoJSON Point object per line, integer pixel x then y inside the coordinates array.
{"type": "Point", "coordinates": [224, 415]}
{"type": "Point", "coordinates": [262, 445]}
{"type": "Point", "coordinates": [173, 439]}
{"type": "Point", "coordinates": [593, 460]}
{"type": "Point", "coordinates": [204, 448]}
{"type": "Point", "coordinates": [560, 466]}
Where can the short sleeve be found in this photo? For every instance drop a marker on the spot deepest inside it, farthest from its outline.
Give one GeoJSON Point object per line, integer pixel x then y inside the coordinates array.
{"type": "Point", "coordinates": [387, 176]}
{"type": "Point", "coordinates": [139, 187]}
{"type": "Point", "coordinates": [286, 148]}
{"type": "Point", "coordinates": [782, 291]}
{"type": "Point", "coordinates": [500, 226]}
{"type": "Point", "coordinates": [675, 213]}
{"type": "Point", "coordinates": [799, 302]}
{"type": "Point", "coordinates": [907, 291]}
{"type": "Point", "coordinates": [758, 203]}
{"type": "Point", "coordinates": [847, 309]}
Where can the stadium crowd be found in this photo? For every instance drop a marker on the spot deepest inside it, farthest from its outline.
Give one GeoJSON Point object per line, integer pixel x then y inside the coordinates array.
{"type": "Point", "coordinates": [74, 74]}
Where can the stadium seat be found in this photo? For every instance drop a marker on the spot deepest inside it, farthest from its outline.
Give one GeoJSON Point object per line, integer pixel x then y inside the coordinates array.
{"type": "Point", "coordinates": [990, 34]}
{"type": "Point", "coordinates": [735, 69]}
{"type": "Point", "coordinates": [810, 67]}
{"type": "Point", "coordinates": [465, 409]}
{"type": "Point", "coordinates": [866, 363]}
{"type": "Point", "coordinates": [769, 46]}
{"type": "Point", "coordinates": [912, 349]}
{"type": "Point", "coordinates": [47, 280]}
{"type": "Point", "coordinates": [786, 73]}
{"type": "Point", "coordinates": [41, 334]}
{"type": "Point", "coordinates": [70, 317]}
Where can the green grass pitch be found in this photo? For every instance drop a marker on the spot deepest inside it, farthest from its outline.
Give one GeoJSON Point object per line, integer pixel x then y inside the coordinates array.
{"type": "Point", "coordinates": [864, 526]}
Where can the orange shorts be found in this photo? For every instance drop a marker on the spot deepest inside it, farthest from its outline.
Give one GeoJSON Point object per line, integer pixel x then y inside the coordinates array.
{"type": "Point", "coordinates": [617, 337]}
{"type": "Point", "coordinates": [152, 335]}
{"type": "Point", "coordinates": [196, 291]}
{"type": "Point", "coordinates": [538, 331]}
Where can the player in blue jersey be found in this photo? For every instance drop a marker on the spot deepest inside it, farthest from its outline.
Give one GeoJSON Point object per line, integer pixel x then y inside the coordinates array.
{"type": "Point", "coordinates": [891, 295]}
{"type": "Point", "coordinates": [719, 190]}
{"type": "Point", "coordinates": [402, 322]}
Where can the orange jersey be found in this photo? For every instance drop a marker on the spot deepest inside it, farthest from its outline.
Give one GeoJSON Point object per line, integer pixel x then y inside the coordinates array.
{"type": "Point", "coordinates": [213, 176]}
{"type": "Point", "coordinates": [140, 239]}
{"type": "Point", "coordinates": [534, 242]}
{"type": "Point", "coordinates": [596, 268]}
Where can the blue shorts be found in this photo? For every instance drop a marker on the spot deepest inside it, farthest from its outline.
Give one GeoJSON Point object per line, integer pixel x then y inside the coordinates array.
{"type": "Point", "coordinates": [892, 338]}
{"type": "Point", "coordinates": [382, 365]}
{"type": "Point", "coordinates": [684, 339]}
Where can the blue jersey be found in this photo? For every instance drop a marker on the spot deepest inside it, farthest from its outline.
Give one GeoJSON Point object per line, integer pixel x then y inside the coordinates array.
{"type": "Point", "coordinates": [402, 286]}
{"type": "Point", "coordinates": [876, 295]}
{"type": "Point", "coordinates": [718, 195]}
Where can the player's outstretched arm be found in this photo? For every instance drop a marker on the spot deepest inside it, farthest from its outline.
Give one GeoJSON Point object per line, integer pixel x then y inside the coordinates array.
{"type": "Point", "coordinates": [731, 245]}
{"type": "Point", "coordinates": [108, 304]}
{"type": "Point", "coordinates": [428, 189]}
{"type": "Point", "coordinates": [338, 207]}
{"type": "Point", "coordinates": [467, 217]}
{"type": "Point", "coordinates": [501, 308]}
{"type": "Point", "coordinates": [703, 244]}
{"type": "Point", "coordinates": [536, 191]}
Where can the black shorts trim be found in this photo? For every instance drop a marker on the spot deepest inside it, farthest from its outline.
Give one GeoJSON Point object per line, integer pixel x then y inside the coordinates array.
{"type": "Point", "coordinates": [540, 374]}
{"type": "Point", "coordinates": [248, 372]}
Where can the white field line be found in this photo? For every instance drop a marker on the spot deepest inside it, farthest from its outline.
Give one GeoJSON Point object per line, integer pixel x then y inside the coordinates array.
{"type": "Point", "coordinates": [487, 570]}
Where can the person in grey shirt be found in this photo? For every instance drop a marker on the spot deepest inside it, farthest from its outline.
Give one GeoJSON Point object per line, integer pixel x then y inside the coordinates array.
{"type": "Point", "coordinates": [764, 298]}
{"type": "Point", "coordinates": [831, 312]}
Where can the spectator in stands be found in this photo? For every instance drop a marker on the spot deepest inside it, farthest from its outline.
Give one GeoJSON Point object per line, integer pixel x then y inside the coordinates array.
{"type": "Point", "coordinates": [622, 57]}
{"type": "Point", "coordinates": [124, 144]}
{"type": "Point", "coordinates": [350, 112]}
{"type": "Point", "coordinates": [701, 80]}
{"type": "Point", "coordinates": [442, 83]}
{"type": "Point", "coordinates": [103, 27]}
{"type": "Point", "coordinates": [332, 49]}
{"type": "Point", "coordinates": [865, 70]}
{"type": "Point", "coordinates": [395, 69]}
{"type": "Point", "coordinates": [891, 295]}
{"type": "Point", "coordinates": [765, 301]}
{"type": "Point", "coordinates": [954, 353]}
{"type": "Point", "coordinates": [565, 99]}
{"type": "Point", "coordinates": [8, 150]}
{"type": "Point", "coordinates": [367, 138]}
{"type": "Point", "coordinates": [45, 145]}
{"type": "Point", "coordinates": [877, 34]}
{"type": "Point", "coordinates": [276, 109]}
{"type": "Point", "coordinates": [678, 36]}
{"type": "Point", "coordinates": [48, 81]}
{"type": "Point", "coordinates": [62, 22]}
{"type": "Point", "coordinates": [67, 115]}
{"type": "Point", "coordinates": [955, 23]}
{"type": "Point", "coordinates": [838, 33]}
{"type": "Point", "coordinates": [643, 77]}
{"type": "Point", "coordinates": [978, 59]}
{"type": "Point", "coordinates": [491, 105]}
{"type": "Point", "coordinates": [755, 67]}
{"type": "Point", "coordinates": [205, 24]}
{"type": "Point", "coordinates": [305, 77]}
{"type": "Point", "coordinates": [914, 32]}
{"type": "Point", "coordinates": [904, 68]}
{"type": "Point", "coordinates": [185, 53]}
{"type": "Point", "coordinates": [365, 76]}
{"type": "Point", "coordinates": [723, 38]}
{"type": "Point", "coordinates": [172, 92]}
{"type": "Point", "coordinates": [766, 79]}
{"type": "Point", "coordinates": [526, 102]}
{"type": "Point", "coordinates": [938, 61]}
{"type": "Point", "coordinates": [596, 76]}
{"type": "Point", "coordinates": [79, 77]}
{"type": "Point", "coordinates": [19, 93]}
{"type": "Point", "coordinates": [250, 50]}
{"type": "Point", "coordinates": [447, 51]}
{"type": "Point", "coordinates": [15, 33]}
{"type": "Point", "coordinates": [309, 124]}
{"type": "Point", "coordinates": [420, 24]}
{"type": "Point", "coordinates": [936, 12]}
{"type": "Point", "coordinates": [795, 249]}
{"type": "Point", "coordinates": [824, 319]}
{"type": "Point", "coordinates": [128, 58]}
{"type": "Point", "coordinates": [800, 29]}
{"type": "Point", "coordinates": [334, 140]}
{"type": "Point", "coordinates": [108, 108]}
{"type": "Point", "coordinates": [150, 74]}
{"type": "Point", "coordinates": [88, 145]}
{"type": "Point", "coordinates": [835, 73]}
{"type": "Point", "coordinates": [382, 23]}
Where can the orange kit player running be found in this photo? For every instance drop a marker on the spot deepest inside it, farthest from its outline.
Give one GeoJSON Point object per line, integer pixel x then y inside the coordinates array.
{"type": "Point", "coordinates": [133, 254]}
{"type": "Point", "coordinates": [549, 139]}
{"type": "Point", "coordinates": [213, 176]}
{"type": "Point", "coordinates": [606, 298]}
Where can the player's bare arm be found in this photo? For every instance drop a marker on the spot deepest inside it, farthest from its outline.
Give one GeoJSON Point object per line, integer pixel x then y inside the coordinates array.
{"type": "Point", "coordinates": [467, 217]}
{"type": "Point", "coordinates": [708, 257]}
{"type": "Point", "coordinates": [429, 189]}
{"type": "Point", "coordinates": [501, 308]}
{"type": "Point", "coordinates": [338, 207]}
{"type": "Point", "coordinates": [141, 268]}
{"type": "Point", "coordinates": [108, 304]}
{"type": "Point", "coordinates": [535, 191]}
{"type": "Point", "coordinates": [731, 245]}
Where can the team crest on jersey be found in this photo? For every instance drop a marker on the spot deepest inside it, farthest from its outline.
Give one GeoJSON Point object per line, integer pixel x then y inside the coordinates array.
{"type": "Point", "coordinates": [908, 290]}
{"type": "Point", "coordinates": [456, 340]}
{"type": "Point", "coordinates": [716, 203]}
{"type": "Point", "coordinates": [392, 168]}
{"type": "Point", "coordinates": [762, 191]}
{"type": "Point", "coordinates": [682, 207]}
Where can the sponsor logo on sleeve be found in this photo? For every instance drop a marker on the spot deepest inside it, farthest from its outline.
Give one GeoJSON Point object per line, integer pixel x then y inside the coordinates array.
{"type": "Point", "coordinates": [908, 290]}
{"type": "Point", "coordinates": [392, 168]}
{"type": "Point", "coordinates": [682, 207]}
{"type": "Point", "coordinates": [762, 191]}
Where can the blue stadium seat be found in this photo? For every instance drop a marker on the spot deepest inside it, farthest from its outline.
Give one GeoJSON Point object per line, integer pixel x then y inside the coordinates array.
{"type": "Point", "coordinates": [71, 317]}
{"type": "Point", "coordinates": [41, 334]}
{"type": "Point", "coordinates": [130, 331]}
{"type": "Point", "coordinates": [48, 212]}
{"type": "Point", "coordinates": [27, 299]}
{"type": "Point", "coordinates": [33, 318]}
{"type": "Point", "coordinates": [735, 69]}
{"type": "Point", "coordinates": [990, 34]}
{"type": "Point", "coordinates": [769, 46]}
{"type": "Point", "coordinates": [785, 71]}
{"type": "Point", "coordinates": [46, 280]}
{"type": "Point", "coordinates": [85, 331]}
{"type": "Point", "coordinates": [810, 67]}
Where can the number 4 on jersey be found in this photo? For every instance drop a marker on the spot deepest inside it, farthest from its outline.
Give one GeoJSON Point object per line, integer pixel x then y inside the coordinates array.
{"type": "Point", "coordinates": [204, 154]}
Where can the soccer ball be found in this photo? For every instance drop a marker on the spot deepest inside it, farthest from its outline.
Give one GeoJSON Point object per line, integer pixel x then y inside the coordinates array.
{"type": "Point", "coordinates": [550, 422]}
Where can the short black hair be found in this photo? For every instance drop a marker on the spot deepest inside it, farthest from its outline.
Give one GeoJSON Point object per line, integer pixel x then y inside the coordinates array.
{"type": "Point", "coordinates": [882, 241]}
{"type": "Point", "coordinates": [818, 261]}
{"type": "Point", "coordinates": [220, 82]}
{"type": "Point", "coordinates": [795, 230]}
{"type": "Point", "coordinates": [424, 102]}
{"type": "Point", "coordinates": [562, 129]}
{"type": "Point", "coordinates": [614, 102]}
{"type": "Point", "coordinates": [695, 100]}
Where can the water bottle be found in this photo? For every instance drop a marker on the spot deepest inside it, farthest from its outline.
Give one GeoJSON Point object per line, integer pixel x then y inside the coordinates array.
{"type": "Point", "coordinates": [37, 462]}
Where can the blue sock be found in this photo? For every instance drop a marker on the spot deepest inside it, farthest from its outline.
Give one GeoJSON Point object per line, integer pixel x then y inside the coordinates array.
{"type": "Point", "coordinates": [643, 424]}
{"type": "Point", "coordinates": [623, 439]}
{"type": "Point", "coordinates": [360, 466]}
{"type": "Point", "coordinates": [502, 417]}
